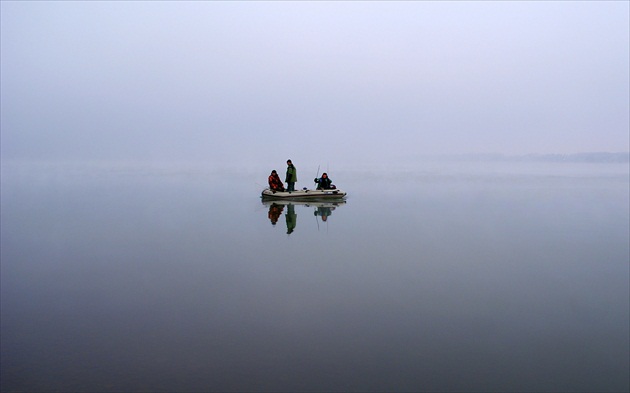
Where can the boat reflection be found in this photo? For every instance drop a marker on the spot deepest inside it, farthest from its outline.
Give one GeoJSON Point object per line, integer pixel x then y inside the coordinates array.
{"type": "Point", "coordinates": [321, 211]}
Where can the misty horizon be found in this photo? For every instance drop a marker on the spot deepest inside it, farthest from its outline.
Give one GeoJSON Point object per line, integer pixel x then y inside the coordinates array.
{"type": "Point", "coordinates": [348, 82]}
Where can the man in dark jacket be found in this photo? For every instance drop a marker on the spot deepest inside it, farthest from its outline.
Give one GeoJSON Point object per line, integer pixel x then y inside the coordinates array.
{"type": "Point", "coordinates": [324, 182]}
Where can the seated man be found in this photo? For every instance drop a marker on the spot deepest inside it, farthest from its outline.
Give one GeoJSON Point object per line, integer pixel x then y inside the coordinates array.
{"type": "Point", "coordinates": [275, 184]}
{"type": "Point", "coordinates": [324, 182]}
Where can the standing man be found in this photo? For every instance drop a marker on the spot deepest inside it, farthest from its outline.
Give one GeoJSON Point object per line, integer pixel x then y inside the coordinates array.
{"type": "Point", "coordinates": [291, 176]}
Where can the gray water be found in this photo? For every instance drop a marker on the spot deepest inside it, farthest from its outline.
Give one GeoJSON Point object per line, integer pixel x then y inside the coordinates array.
{"type": "Point", "coordinates": [441, 277]}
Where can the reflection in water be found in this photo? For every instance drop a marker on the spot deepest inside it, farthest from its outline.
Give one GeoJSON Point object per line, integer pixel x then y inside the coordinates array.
{"type": "Point", "coordinates": [323, 210]}
{"type": "Point", "coordinates": [131, 281]}
{"type": "Point", "coordinates": [291, 218]}
{"type": "Point", "coordinates": [274, 212]}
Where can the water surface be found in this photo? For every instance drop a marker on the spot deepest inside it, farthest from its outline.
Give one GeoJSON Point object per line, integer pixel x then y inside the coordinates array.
{"type": "Point", "coordinates": [440, 277]}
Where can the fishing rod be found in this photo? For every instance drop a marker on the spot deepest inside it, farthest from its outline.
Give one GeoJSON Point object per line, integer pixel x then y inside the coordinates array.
{"type": "Point", "coordinates": [317, 176]}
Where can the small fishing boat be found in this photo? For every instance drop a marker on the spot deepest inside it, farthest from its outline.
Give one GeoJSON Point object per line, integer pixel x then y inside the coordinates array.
{"type": "Point", "coordinates": [303, 195]}
{"type": "Point", "coordinates": [332, 203]}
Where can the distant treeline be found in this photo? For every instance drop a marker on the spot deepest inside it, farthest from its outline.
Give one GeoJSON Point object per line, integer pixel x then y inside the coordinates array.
{"type": "Point", "coordinates": [594, 157]}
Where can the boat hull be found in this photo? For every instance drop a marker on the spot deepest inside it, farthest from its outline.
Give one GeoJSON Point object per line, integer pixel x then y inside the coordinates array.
{"type": "Point", "coordinates": [307, 203]}
{"type": "Point", "coordinates": [303, 195]}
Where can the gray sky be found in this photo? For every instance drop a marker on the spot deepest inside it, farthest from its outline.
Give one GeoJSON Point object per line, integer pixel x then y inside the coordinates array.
{"type": "Point", "coordinates": [250, 82]}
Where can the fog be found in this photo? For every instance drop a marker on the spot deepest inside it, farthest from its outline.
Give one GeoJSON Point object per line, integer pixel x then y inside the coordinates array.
{"type": "Point", "coordinates": [254, 83]}
{"type": "Point", "coordinates": [483, 245]}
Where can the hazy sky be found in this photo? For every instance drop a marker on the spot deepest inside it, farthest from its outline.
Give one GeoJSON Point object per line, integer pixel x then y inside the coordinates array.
{"type": "Point", "coordinates": [242, 82]}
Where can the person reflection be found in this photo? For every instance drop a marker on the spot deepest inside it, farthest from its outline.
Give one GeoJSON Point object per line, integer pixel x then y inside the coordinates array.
{"type": "Point", "coordinates": [323, 212]}
{"type": "Point", "coordinates": [291, 218]}
{"type": "Point", "coordinates": [274, 213]}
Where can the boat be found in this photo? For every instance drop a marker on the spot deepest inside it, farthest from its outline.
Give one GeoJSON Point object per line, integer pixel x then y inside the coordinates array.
{"type": "Point", "coordinates": [303, 195]}
{"type": "Point", "coordinates": [333, 203]}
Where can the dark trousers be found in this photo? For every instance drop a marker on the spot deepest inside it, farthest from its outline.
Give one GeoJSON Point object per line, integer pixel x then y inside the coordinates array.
{"type": "Point", "coordinates": [290, 186]}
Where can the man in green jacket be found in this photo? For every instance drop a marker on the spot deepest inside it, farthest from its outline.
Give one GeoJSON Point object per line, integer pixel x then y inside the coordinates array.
{"type": "Point", "coordinates": [291, 176]}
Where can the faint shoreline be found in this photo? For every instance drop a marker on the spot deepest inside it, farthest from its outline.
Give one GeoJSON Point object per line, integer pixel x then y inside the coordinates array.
{"type": "Point", "coordinates": [587, 157]}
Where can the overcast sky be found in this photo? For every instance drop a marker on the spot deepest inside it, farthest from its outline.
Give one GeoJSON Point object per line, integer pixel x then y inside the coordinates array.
{"type": "Point", "coordinates": [243, 82]}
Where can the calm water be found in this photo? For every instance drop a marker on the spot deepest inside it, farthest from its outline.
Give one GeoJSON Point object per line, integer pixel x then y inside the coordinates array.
{"type": "Point", "coordinates": [438, 278]}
